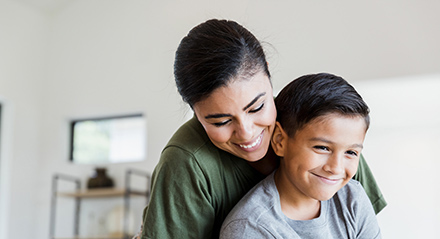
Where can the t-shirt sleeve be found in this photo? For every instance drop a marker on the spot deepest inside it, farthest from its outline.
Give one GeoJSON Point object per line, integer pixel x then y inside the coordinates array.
{"type": "Point", "coordinates": [366, 178]}
{"type": "Point", "coordinates": [366, 221]}
{"type": "Point", "coordinates": [240, 229]}
{"type": "Point", "coordinates": [180, 205]}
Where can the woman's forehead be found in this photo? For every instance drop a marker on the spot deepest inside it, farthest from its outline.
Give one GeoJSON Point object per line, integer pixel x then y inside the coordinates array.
{"type": "Point", "coordinates": [237, 93]}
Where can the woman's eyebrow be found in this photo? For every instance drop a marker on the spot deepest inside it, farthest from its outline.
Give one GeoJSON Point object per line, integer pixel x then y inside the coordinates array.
{"type": "Point", "coordinates": [245, 108]}
{"type": "Point", "coordinates": [254, 100]}
{"type": "Point", "coordinates": [217, 116]}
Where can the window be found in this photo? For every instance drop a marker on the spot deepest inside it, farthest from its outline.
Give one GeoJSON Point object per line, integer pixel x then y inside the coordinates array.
{"type": "Point", "coordinates": [108, 140]}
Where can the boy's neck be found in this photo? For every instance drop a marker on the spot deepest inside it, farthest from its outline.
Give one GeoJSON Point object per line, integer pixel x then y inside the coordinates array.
{"type": "Point", "coordinates": [293, 205]}
{"type": "Point", "coordinates": [267, 164]}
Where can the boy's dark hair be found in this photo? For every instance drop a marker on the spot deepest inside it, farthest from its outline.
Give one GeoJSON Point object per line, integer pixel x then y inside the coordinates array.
{"type": "Point", "coordinates": [311, 96]}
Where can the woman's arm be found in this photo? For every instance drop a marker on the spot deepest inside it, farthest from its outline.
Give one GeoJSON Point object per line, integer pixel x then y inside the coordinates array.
{"type": "Point", "coordinates": [180, 206]}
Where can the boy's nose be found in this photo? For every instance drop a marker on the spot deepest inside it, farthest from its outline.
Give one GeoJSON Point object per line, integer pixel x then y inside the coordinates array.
{"type": "Point", "coordinates": [334, 164]}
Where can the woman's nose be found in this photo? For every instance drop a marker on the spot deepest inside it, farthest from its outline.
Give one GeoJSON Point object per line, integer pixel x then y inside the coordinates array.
{"type": "Point", "coordinates": [244, 130]}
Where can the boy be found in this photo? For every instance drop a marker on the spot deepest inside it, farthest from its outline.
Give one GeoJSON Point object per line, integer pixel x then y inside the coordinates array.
{"type": "Point", "coordinates": [319, 135]}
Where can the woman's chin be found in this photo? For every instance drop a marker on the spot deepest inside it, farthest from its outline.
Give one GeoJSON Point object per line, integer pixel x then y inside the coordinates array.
{"type": "Point", "coordinates": [256, 156]}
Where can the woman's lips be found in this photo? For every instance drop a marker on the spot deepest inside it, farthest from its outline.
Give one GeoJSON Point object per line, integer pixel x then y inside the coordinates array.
{"type": "Point", "coordinates": [252, 145]}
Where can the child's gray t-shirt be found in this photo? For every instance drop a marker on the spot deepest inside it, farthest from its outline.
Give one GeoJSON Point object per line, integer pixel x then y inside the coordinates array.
{"type": "Point", "coordinates": [348, 214]}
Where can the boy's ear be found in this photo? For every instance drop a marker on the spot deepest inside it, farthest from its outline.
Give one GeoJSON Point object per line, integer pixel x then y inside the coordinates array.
{"type": "Point", "coordinates": [278, 140]}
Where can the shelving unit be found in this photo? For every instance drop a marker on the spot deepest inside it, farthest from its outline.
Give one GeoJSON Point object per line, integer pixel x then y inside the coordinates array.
{"type": "Point", "coordinates": [79, 195]}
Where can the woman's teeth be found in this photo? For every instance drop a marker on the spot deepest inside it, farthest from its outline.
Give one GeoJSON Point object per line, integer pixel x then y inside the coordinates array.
{"type": "Point", "coordinates": [253, 144]}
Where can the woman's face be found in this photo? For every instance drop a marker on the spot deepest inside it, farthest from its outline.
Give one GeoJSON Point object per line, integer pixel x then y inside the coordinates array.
{"type": "Point", "coordinates": [240, 117]}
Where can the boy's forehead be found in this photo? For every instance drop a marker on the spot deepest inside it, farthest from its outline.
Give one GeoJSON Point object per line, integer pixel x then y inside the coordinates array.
{"type": "Point", "coordinates": [322, 119]}
{"type": "Point", "coordinates": [330, 127]}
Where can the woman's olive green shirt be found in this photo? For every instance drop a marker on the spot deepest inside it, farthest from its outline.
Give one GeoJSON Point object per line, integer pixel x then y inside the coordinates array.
{"type": "Point", "coordinates": [196, 184]}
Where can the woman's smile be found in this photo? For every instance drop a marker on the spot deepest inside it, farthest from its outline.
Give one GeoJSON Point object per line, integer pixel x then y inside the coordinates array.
{"type": "Point", "coordinates": [250, 146]}
{"type": "Point", "coordinates": [239, 117]}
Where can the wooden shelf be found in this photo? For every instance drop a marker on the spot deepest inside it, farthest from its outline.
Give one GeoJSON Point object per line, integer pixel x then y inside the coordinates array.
{"type": "Point", "coordinates": [94, 237]}
{"type": "Point", "coordinates": [97, 237]}
{"type": "Point", "coordinates": [126, 192]}
{"type": "Point", "coordinates": [99, 193]}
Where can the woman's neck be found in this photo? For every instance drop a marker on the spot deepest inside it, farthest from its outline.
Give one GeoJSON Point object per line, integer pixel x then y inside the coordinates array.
{"type": "Point", "coordinates": [267, 164]}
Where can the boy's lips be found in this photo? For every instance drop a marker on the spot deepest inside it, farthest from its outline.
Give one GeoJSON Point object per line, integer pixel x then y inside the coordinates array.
{"type": "Point", "coordinates": [331, 181]}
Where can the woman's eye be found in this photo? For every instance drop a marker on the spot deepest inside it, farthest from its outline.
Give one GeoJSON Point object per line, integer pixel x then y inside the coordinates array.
{"type": "Point", "coordinates": [320, 147]}
{"type": "Point", "coordinates": [257, 109]}
{"type": "Point", "coordinates": [219, 124]}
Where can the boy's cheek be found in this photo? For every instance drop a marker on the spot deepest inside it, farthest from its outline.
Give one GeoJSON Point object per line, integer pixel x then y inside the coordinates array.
{"type": "Point", "coordinates": [352, 168]}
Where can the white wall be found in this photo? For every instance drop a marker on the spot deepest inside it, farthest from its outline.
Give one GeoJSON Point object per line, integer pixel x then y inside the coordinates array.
{"type": "Point", "coordinates": [104, 61]}
{"type": "Point", "coordinates": [23, 39]}
{"type": "Point", "coordinates": [401, 148]}
{"type": "Point", "coordinates": [106, 57]}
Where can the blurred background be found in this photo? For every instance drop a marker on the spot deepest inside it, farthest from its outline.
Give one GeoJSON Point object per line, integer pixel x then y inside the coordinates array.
{"type": "Point", "coordinates": [64, 60]}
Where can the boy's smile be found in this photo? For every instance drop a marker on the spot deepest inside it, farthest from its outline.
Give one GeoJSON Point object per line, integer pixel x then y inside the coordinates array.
{"type": "Point", "coordinates": [320, 158]}
{"type": "Point", "coordinates": [329, 181]}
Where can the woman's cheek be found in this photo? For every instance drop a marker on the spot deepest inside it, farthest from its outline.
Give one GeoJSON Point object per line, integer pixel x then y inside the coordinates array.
{"type": "Point", "coordinates": [272, 112]}
{"type": "Point", "coordinates": [218, 135]}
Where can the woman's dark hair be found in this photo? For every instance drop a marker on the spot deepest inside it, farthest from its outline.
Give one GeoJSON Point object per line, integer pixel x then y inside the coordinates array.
{"type": "Point", "coordinates": [311, 96]}
{"type": "Point", "coordinates": [212, 54]}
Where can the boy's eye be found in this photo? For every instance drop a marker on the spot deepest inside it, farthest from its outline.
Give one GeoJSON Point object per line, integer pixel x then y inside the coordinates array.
{"type": "Point", "coordinates": [256, 109]}
{"type": "Point", "coordinates": [320, 147]}
{"type": "Point", "coordinates": [351, 152]}
{"type": "Point", "coordinates": [219, 124]}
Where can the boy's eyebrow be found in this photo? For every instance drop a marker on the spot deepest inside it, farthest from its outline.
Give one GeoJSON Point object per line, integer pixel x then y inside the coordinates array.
{"type": "Point", "coordinates": [245, 108]}
{"type": "Point", "coordinates": [331, 142]}
{"type": "Point", "coordinates": [254, 100]}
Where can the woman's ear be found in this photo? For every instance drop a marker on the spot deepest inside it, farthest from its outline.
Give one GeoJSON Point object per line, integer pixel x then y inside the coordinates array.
{"type": "Point", "coordinates": [278, 140]}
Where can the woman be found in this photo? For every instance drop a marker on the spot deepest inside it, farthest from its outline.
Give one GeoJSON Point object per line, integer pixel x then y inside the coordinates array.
{"type": "Point", "coordinates": [223, 151]}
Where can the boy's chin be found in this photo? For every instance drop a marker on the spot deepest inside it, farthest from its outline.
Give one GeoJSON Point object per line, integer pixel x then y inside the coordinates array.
{"type": "Point", "coordinates": [325, 197]}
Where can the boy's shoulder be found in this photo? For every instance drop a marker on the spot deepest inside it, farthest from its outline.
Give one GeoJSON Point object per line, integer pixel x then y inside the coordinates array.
{"type": "Point", "coordinates": [257, 203]}
{"type": "Point", "coordinates": [256, 214]}
{"type": "Point", "coordinates": [352, 188]}
{"type": "Point", "coordinates": [351, 196]}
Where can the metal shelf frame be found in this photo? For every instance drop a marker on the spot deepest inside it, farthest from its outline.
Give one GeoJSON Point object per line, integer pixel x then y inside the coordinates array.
{"type": "Point", "coordinates": [126, 193]}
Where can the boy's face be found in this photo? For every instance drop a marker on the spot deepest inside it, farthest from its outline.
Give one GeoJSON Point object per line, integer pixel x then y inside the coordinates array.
{"type": "Point", "coordinates": [321, 157]}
